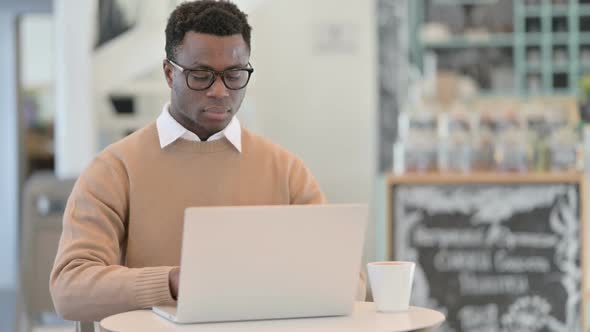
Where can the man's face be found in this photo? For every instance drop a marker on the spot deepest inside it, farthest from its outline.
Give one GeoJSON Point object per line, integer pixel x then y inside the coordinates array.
{"type": "Point", "coordinates": [209, 111]}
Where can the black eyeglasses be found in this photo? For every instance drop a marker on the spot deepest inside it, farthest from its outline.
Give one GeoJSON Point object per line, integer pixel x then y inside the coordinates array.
{"type": "Point", "coordinates": [203, 79]}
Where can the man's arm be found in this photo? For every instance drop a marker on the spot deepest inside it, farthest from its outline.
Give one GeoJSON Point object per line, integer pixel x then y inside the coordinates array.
{"type": "Point", "coordinates": [303, 187]}
{"type": "Point", "coordinates": [88, 281]}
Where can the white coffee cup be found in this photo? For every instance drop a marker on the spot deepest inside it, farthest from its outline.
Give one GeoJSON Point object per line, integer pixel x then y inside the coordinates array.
{"type": "Point", "coordinates": [391, 284]}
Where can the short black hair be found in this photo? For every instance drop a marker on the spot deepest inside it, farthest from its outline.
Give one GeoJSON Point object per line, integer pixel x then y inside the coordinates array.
{"type": "Point", "coordinates": [220, 18]}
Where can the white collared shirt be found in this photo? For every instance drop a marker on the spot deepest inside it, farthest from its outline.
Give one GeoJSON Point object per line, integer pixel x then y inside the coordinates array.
{"type": "Point", "coordinates": [169, 130]}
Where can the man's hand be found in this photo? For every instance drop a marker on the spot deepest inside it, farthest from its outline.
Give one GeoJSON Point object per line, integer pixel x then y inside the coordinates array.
{"type": "Point", "coordinates": [173, 282]}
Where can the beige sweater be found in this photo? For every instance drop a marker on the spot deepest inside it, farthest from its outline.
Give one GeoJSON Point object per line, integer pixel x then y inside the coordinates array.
{"type": "Point", "coordinates": [123, 221]}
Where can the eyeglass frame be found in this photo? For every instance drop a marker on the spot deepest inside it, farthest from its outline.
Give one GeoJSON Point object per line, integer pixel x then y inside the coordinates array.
{"type": "Point", "coordinates": [216, 74]}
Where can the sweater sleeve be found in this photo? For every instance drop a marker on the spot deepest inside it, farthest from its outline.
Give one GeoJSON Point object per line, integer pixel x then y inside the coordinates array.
{"type": "Point", "coordinates": [303, 187]}
{"type": "Point", "coordinates": [88, 282]}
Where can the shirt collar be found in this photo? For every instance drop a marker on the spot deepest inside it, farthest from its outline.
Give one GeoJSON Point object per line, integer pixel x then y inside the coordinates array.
{"type": "Point", "coordinates": [169, 130]}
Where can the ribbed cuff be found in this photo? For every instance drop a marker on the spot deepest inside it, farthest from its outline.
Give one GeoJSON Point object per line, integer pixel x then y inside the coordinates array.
{"type": "Point", "coordinates": [361, 294]}
{"type": "Point", "coordinates": [152, 287]}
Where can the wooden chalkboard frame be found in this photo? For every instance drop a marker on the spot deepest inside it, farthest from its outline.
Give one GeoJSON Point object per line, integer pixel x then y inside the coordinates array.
{"type": "Point", "coordinates": [576, 178]}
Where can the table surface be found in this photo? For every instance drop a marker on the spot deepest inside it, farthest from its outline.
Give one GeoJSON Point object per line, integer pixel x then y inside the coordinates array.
{"type": "Point", "coordinates": [363, 318]}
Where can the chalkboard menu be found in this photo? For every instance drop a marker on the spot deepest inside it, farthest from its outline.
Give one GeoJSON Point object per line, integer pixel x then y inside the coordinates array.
{"type": "Point", "coordinates": [493, 257]}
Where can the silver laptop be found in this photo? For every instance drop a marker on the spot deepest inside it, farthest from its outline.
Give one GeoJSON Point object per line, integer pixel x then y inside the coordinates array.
{"type": "Point", "coordinates": [269, 262]}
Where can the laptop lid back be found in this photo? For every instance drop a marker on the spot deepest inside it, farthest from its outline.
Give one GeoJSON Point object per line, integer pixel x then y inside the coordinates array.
{"type": "Point", "coordinates": [267, 262]}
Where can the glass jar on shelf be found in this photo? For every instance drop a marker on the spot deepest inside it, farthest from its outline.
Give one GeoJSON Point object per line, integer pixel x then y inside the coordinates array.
{"type": "Point", "coordinates": [564, 150]}
{"type": "Point", "coordinates": [511, 148]}
{"type": "Point", "coordinates": [455, 142]}
{"type": "Point", "coordinates": [420, 143]}
{"type": "Point", "coordinates": [562, 142]}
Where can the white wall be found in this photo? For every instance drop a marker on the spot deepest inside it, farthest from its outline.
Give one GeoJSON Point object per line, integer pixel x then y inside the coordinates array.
{"type": "Point", "coordinates": [38, 50]}
{"type": "Point", "coordinates": [319, 103]}
{"type": "Point", "coordinates": [321, 106]}
{"type": "Point", "coordinates": [75, 134]}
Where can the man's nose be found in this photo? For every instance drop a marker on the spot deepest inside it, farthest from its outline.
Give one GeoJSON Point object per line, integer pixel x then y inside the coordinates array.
{"type": "Point", "coordinates": [218, 89]}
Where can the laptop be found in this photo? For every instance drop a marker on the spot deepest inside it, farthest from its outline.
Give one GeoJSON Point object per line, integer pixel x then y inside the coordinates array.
{"type": "Point", "coordinates": [268, 262]}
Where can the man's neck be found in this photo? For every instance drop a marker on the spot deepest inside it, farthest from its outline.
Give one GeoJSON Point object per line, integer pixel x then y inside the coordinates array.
{"type": "Point", "coordinates": [203, 137]}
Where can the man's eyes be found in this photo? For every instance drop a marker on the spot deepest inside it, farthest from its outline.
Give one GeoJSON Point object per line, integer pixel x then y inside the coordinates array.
{"type": "Point", "coordinates": [204, 75]}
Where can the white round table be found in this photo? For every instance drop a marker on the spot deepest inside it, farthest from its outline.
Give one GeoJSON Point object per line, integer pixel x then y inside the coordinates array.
{"type": "Point", "coordinates": [364, 318]}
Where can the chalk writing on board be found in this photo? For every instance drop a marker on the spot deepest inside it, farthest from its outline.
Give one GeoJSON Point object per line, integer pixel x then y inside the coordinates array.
{"type": "Point", "coordinates": [478, 317]}
{"type": "Point", "coordinates": [463, 260]}
{"type": "Point", "coordinates": [493, 257]}
{"type": "Point", "coordinates": [471, 284]}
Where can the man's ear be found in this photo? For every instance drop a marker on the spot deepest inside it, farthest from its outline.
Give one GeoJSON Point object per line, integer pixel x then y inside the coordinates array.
{"type": "Point", "coordinates": [168, 72]}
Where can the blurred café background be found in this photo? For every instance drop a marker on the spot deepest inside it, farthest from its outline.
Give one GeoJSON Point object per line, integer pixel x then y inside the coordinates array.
{"type": "Point", "coordinates": [463, 95]}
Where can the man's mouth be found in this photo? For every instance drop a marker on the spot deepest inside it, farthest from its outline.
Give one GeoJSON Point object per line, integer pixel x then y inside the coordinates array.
{"type": "Point", "coordinates": [216, 113]}
{"type": "Point", "coordinates": [217, 109]}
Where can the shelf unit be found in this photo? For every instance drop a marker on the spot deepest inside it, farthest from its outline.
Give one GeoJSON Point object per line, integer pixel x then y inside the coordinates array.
{"type": "Point", "coordinates": [562, 50]}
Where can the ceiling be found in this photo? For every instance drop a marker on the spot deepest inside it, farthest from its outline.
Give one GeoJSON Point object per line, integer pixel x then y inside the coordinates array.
{"type": "Point", "coordinates": [24, 6]}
